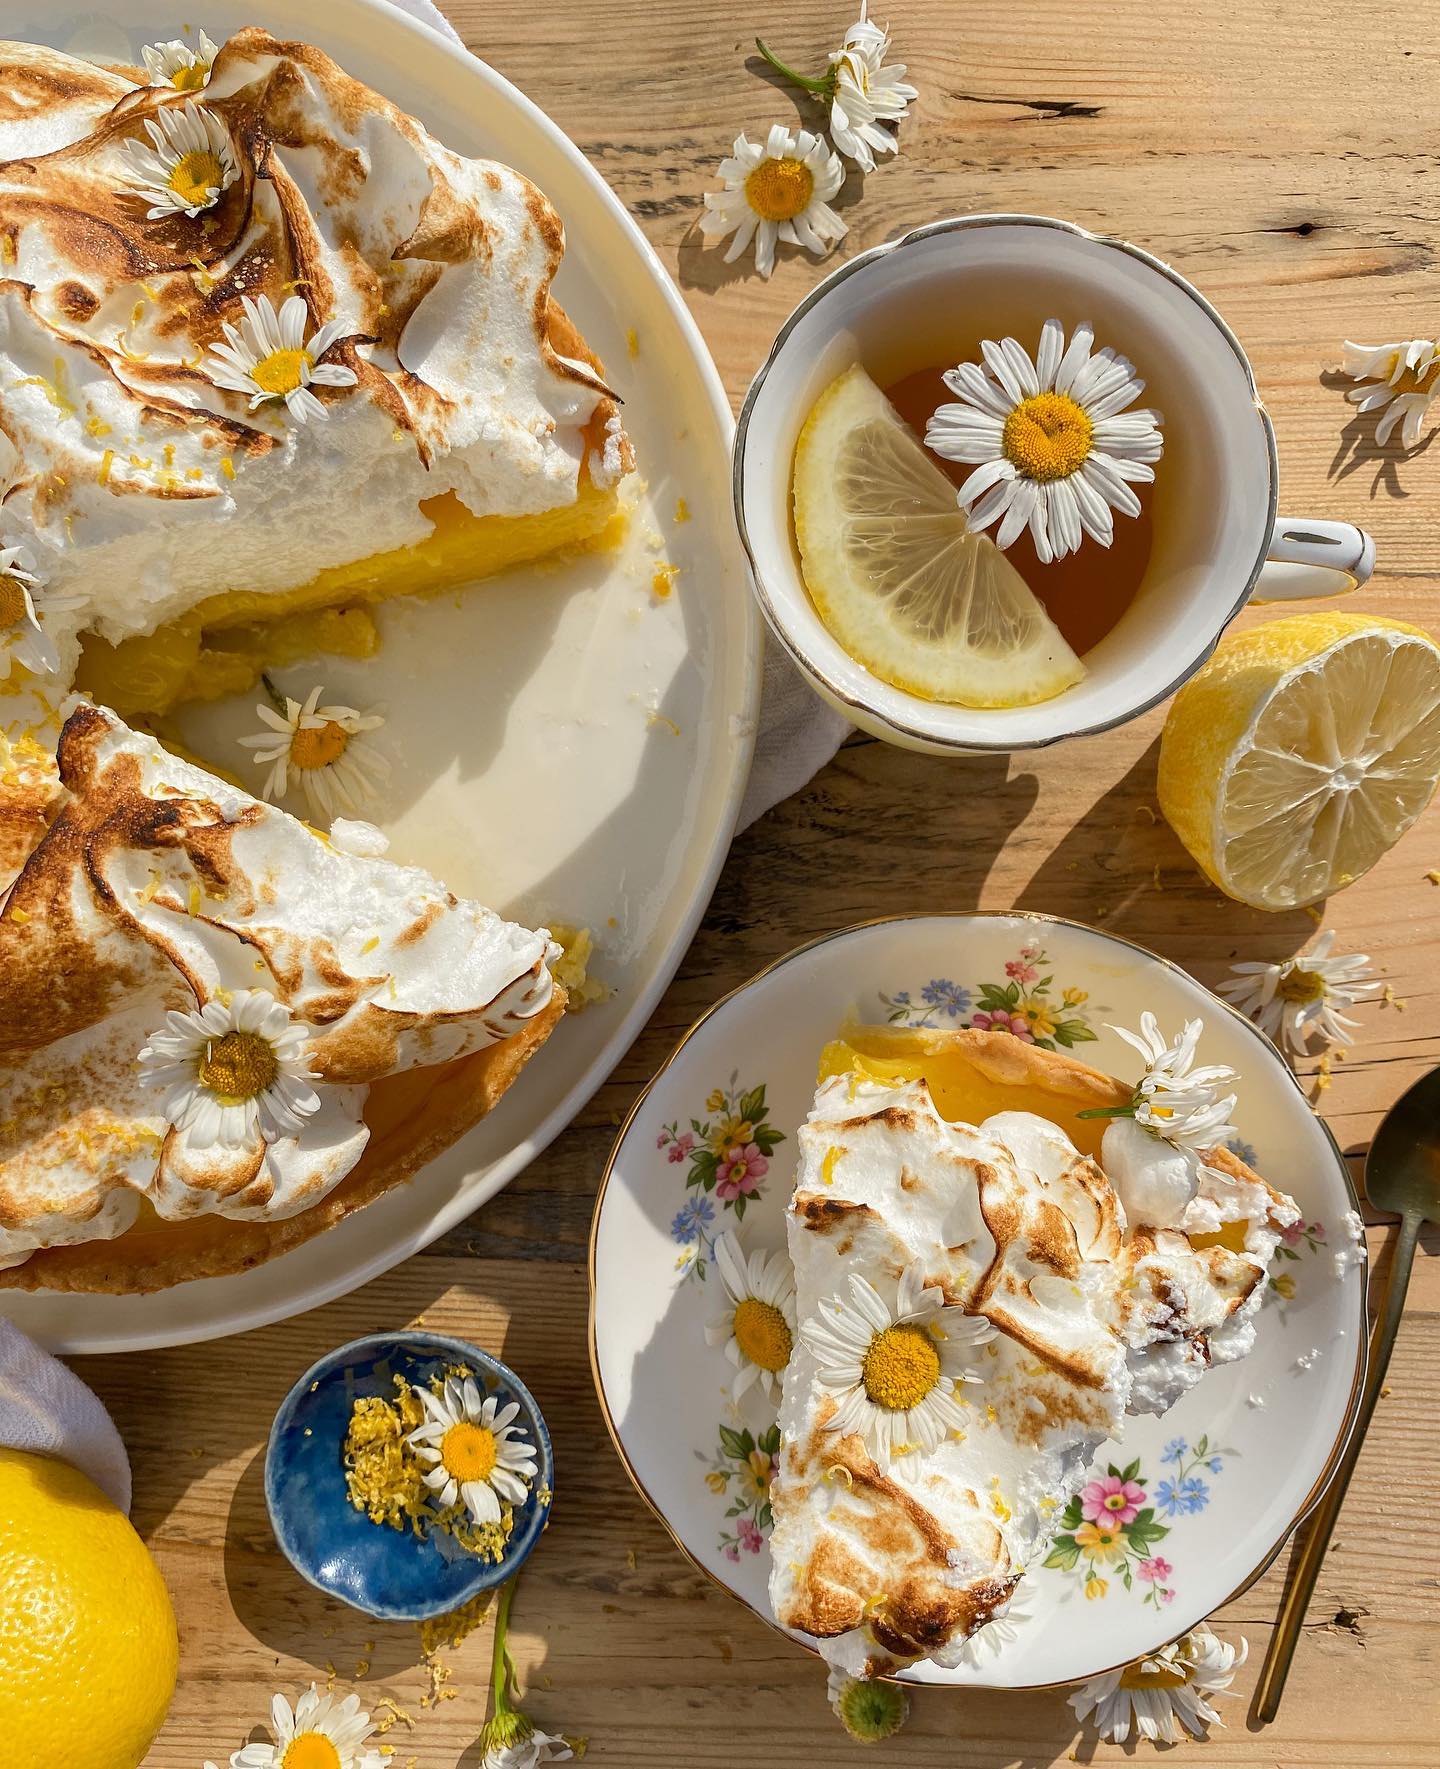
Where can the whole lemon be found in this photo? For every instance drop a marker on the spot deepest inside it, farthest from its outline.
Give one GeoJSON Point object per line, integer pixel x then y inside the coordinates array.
{"type": "Point", "coordinates": [88, 1649]}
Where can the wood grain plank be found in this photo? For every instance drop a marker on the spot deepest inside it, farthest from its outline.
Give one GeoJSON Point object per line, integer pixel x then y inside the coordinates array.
{"type": "Point", "coordinates": [1281, 155]}
{"type": "Point", "coordinates": [642, 1653]}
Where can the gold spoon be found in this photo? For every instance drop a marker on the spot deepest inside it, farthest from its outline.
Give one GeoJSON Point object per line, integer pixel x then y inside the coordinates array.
{"type": "Point", "coordinates": [1402, 1173]}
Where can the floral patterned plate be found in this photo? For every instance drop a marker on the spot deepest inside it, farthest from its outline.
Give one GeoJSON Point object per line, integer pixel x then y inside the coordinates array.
{"type": "Point", "coordinates": [1172, 1522]}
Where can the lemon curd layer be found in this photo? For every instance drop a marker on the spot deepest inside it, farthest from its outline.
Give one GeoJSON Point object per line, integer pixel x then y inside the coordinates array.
{"type": "Point", "coordinates": [967, 1091]}
{"type": "Point", "coordinates": [223, 644]}
{"type": "Point", "coordinates": [966, 1087]}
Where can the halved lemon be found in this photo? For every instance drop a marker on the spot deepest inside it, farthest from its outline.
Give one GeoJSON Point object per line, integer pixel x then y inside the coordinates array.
{"type": "Point", "coordinates": [1301, 753]}
{"type": "Point", "coordinates": [896, 574]}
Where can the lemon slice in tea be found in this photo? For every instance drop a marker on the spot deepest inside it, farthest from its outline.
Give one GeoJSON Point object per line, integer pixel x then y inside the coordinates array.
{"type": "Point", "coordinates": [896, 574]}
{"type": "Point", "coordinates": [1301, 753]}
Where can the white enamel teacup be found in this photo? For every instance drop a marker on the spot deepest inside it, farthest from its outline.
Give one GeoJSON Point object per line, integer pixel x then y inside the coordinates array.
{"type": "Point", "coordinates": [1217, 539]}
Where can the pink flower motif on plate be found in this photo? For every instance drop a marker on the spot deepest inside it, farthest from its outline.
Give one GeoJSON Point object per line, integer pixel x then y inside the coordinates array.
{"type": "Point", "coordinates": [741, 1173]}
{"type": "Point", "coordinates": [1111, 1500]}
{"type": "Point", "coordinates": [1021, 969]}
{"type": "Point", "coordinates": [999, 1020]}
{"type": "Point", "coordinates": [751, 1539]}
{"type": "Point", "coordinates": [1156, 1570]}
{"type": "Point", "coordinates": [680, 1148]}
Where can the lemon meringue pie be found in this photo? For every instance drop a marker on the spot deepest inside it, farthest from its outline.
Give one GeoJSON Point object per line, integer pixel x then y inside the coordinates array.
{"type": "Point", "coordinates": [967, 1273]}
{"type": "Point", "coordinates": [219, 1031]}
{"type": "Point", "coordinates": [238, 309]}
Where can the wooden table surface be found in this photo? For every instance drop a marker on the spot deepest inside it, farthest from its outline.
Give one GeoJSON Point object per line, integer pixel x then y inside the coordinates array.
{"type": "Point", "coordinates": [1282, 154]}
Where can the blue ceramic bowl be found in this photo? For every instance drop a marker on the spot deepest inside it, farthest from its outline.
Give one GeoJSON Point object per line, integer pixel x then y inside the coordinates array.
{"type": "Point", "coordinates": [391, 1574]}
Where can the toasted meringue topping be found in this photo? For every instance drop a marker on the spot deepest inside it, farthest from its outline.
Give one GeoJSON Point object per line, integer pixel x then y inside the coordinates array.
{"type": "Point", "coordinates": [140, 479]}
{"type": "Point", "coordinates": [166, 921]}
{"type": "Point", "coordinates": [889, 1564]}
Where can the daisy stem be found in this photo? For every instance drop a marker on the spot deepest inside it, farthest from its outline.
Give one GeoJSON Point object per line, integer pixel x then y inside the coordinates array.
{"type": "Point", "coordinates": [502, 1666]}
{"type": "Point", "coordinates": [823, 84]}
{"type": "Point", "coordinates": [1108, 1112]}
{"type": "Point", "coordinates": [273, 694]}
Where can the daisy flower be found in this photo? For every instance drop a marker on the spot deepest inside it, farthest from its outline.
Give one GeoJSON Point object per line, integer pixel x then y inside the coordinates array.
{"type": "Point", "coordinates": [322, 1732]}
{"type": "Point", "coordinates": [1055, 448]}
{"type": "Point", "coordinates": [863, 93]}
{"type": "Point", "coordinates": [867, 1710]}
{"type": "Point", "coordinates": [231, 1070]}
{"type": "Point", "coordinates": [176, 64]}
{"type": "Point", "coordinates": [268, 357]}
{"type": "Point", "coordinates": [188, 165]}
{"type": "Point", "coordinates": [475, 1455]}
{"type": "Point", "coordinates": [1401, 379]}
{"type": "Point", "coordinates": [1179, 1103]}
{"type": "Point", "coordinates": [327, 749]}
{"type": "Point", "coordinates": [1302, 997]}
{"type": "Point", "coordinates": [867, 94]}
{"type": "Point", "coordinates": [25, 606]}
{"type": "Point", "coordinates": [1151, 1694]}
{"type": "Point", "coordinates": [757, 1328]}
{"type": "Point", "coordinates": [1000, 1631]}
{"type": "Point", "coordinates": [893, 1371]}
{"type": "Point", "coordinates": [780, 191]}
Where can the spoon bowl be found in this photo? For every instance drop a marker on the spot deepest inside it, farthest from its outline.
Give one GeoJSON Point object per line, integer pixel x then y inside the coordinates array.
{"type": "Point", "coordinates": [1402, 1170]}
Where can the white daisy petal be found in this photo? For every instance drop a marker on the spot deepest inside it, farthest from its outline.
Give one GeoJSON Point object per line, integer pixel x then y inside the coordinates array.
{"type": "Point", "coordinates": [1400, 380]}
{"type": "Point", "coordinates": [847, 1331]}
{"type": "Point", "coordinates": [869, 98]}
{"type": "Point", "coordinates": [187, 167]}
{"type": "Point", "coordinates": [176, 64]}
{"type": "Point", "coordinates": [267, 356]}
{"type": "Point", "coordinates": [776, 193]}
{"type": "Point", "coordinates": [329, 750]}
{"type": "Point", "coordinates": [1314, 990]}
{"type": "Point", "coordinates": [206, 1060]}
{"type": "Point", "coordinates": [1071, 457]}
{"type": "Point", "coordinates": [1153, 1694]}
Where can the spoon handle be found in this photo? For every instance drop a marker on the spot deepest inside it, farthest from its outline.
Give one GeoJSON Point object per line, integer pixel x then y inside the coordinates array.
{"type": "Point", "coordinates": [1305, 1569]}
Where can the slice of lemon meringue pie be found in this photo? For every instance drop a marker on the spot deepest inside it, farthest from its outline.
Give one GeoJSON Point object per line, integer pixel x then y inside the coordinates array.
{"type": "Point", "coordinates": [221, 1032]}
{"type": "Point", "coordinates": [980, 1303]}
{"type": "Point", "coordinates": [268, 351]}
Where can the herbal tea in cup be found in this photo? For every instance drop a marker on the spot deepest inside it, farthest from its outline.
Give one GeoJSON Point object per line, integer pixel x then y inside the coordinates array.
{"type": "Point", "coordinates": [1004, 481]}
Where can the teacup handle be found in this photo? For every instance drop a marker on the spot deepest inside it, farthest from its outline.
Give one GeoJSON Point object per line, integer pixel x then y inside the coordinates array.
{"type": "Point", "coordinates": [1309, 557]}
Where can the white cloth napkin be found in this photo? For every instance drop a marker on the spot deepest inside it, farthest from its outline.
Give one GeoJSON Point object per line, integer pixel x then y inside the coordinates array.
{"type": "Point", "coordinates": [798, 732]}
{"type": "Point", "coordinates": [46, 1409]}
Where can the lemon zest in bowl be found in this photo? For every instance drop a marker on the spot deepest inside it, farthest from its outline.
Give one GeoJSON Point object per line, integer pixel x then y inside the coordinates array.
{"type": "Point", "coordinates": [384, 1478]}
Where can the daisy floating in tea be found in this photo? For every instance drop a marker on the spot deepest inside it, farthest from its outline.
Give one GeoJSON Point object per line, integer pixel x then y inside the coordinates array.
{"type": "Point", "coordinates": [1057, 449]}
{"type": "Point", "coordinates": [968, 551]}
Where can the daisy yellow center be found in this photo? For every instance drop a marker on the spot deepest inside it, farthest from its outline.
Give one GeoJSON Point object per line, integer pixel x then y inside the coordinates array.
{"type": "Point", "coordinates": [190, 79]}
{"type": "Point", "coordinates": [762, 1333]}
{"type": "Point", "coordinates": [900, 1368]}
{"type": "Point", "coordinates": [1301, 985]}
{"type": "Point", "coordinates": [779, 190]}
{"type": "Point", "coordinates": [12, 602]}
{"type": "Point", "coordinates": [1135, 1677]}
{"type": "Point", "coordinates": [239, 1066]}
{"type": "Point", "coordinates": [282, 371]}
{"type": "Point", "coordinates": [469, 1452]}
{"type": "Point", "coordinates": [1047, 436]}
{"type": "Point", "coordinates": [195, 175]}
{"type": "Point", "coordinates": [1417, 380]}
{"type": "Point", "coordinates": [311, 1750]}
{"type": "Point", "coordinates": [318, 746]}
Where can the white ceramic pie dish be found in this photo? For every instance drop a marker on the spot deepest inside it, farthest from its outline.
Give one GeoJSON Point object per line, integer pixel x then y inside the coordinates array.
{"type": "Point", "coordinates": [563, 744]}
{"type": "Point", "coordinates": [1226, 1474]}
